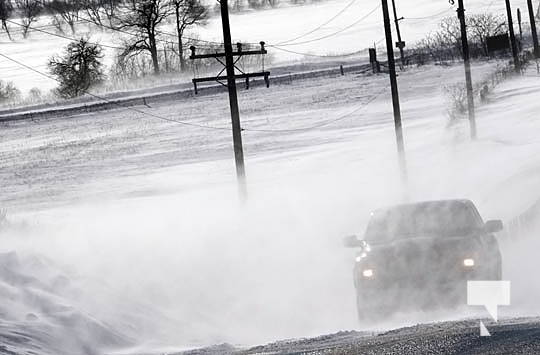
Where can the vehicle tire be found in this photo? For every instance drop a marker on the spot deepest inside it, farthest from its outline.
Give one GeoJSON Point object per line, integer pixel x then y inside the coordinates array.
{"type": "Point", "coordinates": [368, 312]}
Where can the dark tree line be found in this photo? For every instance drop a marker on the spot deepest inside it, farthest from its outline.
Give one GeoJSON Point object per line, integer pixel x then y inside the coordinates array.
{"type": "Point", "coordinates": [444, 44]}
{"type": "Point", "coordinates": [6, 9]}
{"type": "Point", "coordinates": [137, 22]}
{"type": "Point", "coordinates": [139, 25]}
{"type": "Point", "coordinates": [140, 21]}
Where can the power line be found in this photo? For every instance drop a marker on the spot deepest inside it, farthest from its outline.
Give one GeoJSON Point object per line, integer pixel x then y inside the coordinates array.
{"type": "Point", "coordinates": [35, 27]}
{"type": "Point", "coordinates": [428, 17]}
{"type": "Point", "coordinates": [82, 18]}
{"type": "Point", "coordinates": [212, 44]}
{"type": "Point", "coordinates": [379, 41]}
{"type": "Point", "coordinates": [490, 4]}
{"type": "Point", "coordinates": [73, 38]}
{"type": "Point", "coordinates": [148, 114]}
{"type": "Point", "coordinates": [158, 32]}
{"type": "Point", "coordinates": [321, 124]}
{"type": "Point", "coordinates": [120, 48]}
{"type": "Point", "coordinates": [117, 103]}
{"type": "Point", "coordinates": [337, 32]}
{"type": "Point", "coordinates": [316, 55]}
{"type": "Point", "coordinates": [175, 35]}
{"type": "Point", "coordinates": [62, 36]}
{"type": "Point", "coordinates": [321, 25]}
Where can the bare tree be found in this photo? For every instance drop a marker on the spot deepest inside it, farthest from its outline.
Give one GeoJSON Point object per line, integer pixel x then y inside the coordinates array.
{"type": "Point", "coordinates": [256, 4]}
{"type": "Point", "coordinates": [236, 5]}
{"type": "Point", "coordinates": [29, 12]}
{"type": "Point", "coordinates": [64, 11]}
{"type": "Point", "coordinates": [485, 25]}
{"type": "Point", "coordinates": [8, 92]}
{"type": "Point", "coordinates": [142, 18]}
{"type": "Point", "coordinates": [479, 26]}
{"type": "Point", "coordinates": [273, 3]}
{"type": "Point", "coordinates": [188, 13]}
{"type": "Point", "coordinates": [449, 33]}
{"type": "Point", "coordinates": [6, 8]}
{"type": "Point", "coordinates": [102, 12]}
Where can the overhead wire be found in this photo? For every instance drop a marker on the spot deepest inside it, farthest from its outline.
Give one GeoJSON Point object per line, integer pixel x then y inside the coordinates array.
{"type": "Point", "coordinates": [318, 55]}
{"type": "Point", "coordinates": [18, 30]}
{"type": "Point", "coordinates": [210, 44]}
{"type": "Point", "coordinates": [118, 103]}
{"type": "Point", "coordinates": [87, 20]}
{"type": "Point", "coordinates": [205, 44]}
{"type": "Point", "coordinates": [73, 38]}
{"type": "Point", "coordinates": [321, 25]}
{"type": "Point", "coordinates": [430, 16]}
{"type": "Point", "coordinates": [331, 34]}
{"type": "Point", "coordinates": [276, 46]}
{"type": "Point", "coordinates": [324, 123]}
{"type": "Point", "coordinates": [490, 5]}
{"type": "Point", "coordinates": [38, 29]}
{"type": "Point", "coordinates": [326, 55]}
{"type": "Point", "coordinates": [167, 119]}
{"type": "Point", "coordinates": [61, 36]}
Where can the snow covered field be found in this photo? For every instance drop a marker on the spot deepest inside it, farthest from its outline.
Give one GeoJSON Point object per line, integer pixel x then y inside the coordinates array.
{"type": "Point", "coordinates": [293, 33]}
{"type": "Point", "coordinates": [126, 229]}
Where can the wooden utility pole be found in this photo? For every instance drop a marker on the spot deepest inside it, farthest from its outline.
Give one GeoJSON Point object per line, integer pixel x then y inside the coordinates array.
{"type": "Point", "coordinates": [515, 53]}
{"type": "Point", "coordinates": [467, 64]}
{"type": "Point", "coordinates": [519, 25]}
{"type": "Point", "coordinates": [533, 29]}
{"type": "Point", "coordinates": [231, 76]}
{"type": "Point", "coordinates": [399, 44]}
{"type": "Point", "coordinates": [395, 94]}
{"type": "Point", "coordinates": [233, 101]}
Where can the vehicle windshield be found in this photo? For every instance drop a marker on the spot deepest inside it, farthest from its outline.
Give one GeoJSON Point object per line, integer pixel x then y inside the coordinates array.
{"type": "Point", "coordinates": [432, 219]}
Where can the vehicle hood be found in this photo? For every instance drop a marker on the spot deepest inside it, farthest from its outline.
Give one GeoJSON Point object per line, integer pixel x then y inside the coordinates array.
{"type": "Point", "coordinates": [421, 252]}
{"type": "Point", "coordinates": [419, 245]}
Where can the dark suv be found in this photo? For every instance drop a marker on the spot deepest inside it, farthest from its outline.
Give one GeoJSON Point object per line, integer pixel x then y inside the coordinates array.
{"type": "Point", "coordinates": [421, 255]}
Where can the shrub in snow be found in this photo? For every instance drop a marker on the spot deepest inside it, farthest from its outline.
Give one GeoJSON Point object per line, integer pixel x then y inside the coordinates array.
{"type": "Point", "coordinates": [79, 69]}
{"type": "Point", "coordinates": [457, 97]}
{"type": "Point", "coordinates": [34, 95]}
{"type": "Point", "coordinates": [8, 91]}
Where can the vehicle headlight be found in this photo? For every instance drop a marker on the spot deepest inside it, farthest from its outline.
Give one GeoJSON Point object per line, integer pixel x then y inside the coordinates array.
{"type": "Point", "coordinates": [469, 262]}
{"type": "Point", "coordinates": [367, 273]}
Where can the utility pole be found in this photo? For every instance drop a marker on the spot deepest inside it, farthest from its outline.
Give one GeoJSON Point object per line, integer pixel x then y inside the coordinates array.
{"type": "Point", "coordinates": [399, 44]}
{"type": "Point", "coordinates": [230, 68]}
{"type": "Point", "coordinates": [467, 64]}
{"type": "Point", "coordinates": [395, 94]}
{"type": "Point", "coordinates": [233, 101]}
{"type": "Point", "coordinates": [519, 24]}
{"type": "Point", "coordinates": [533, 30]}
{"type": "Point", "coordinates": [512, 37]}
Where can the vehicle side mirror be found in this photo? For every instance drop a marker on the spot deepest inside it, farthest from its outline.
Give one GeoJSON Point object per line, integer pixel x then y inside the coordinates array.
{"type": "Point", "coordinates": [352, 241]}
{"type": "Point", "coordinates": [493, 226]}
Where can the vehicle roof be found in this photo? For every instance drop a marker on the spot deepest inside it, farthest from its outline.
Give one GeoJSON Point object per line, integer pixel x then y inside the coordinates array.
{"type": "Point", "coordinates": [424, 204]}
